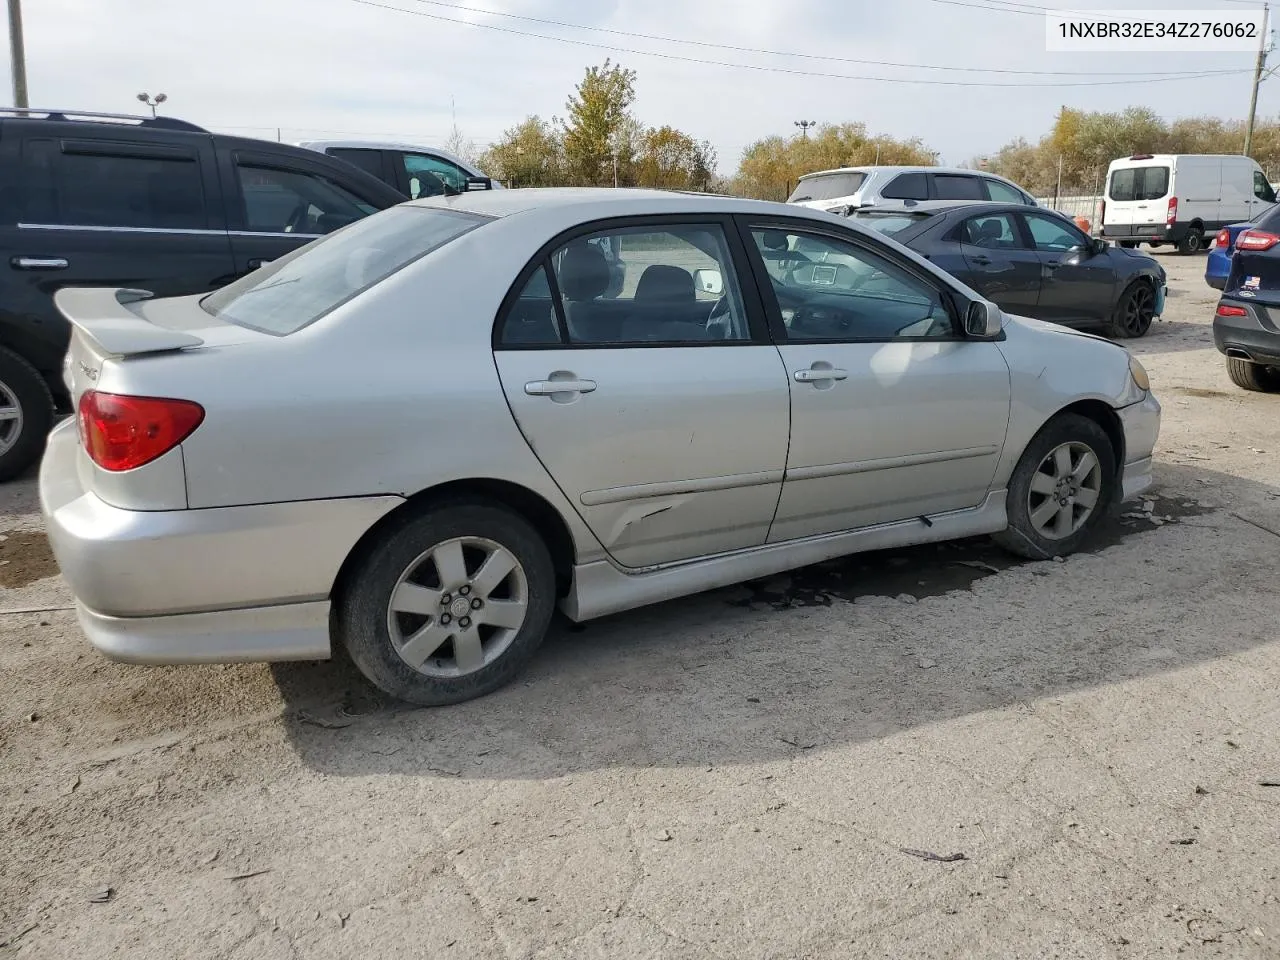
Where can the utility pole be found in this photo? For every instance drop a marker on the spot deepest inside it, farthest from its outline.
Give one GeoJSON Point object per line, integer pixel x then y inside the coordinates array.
{"type": "Point", "coordinates": [18, 55]}
{"type": "Point", "coordinates": [1257, 81]}
{"type": "Point", "coordinates": [804, 126]}
{"type": "Point", "coordinates": [615, 169]}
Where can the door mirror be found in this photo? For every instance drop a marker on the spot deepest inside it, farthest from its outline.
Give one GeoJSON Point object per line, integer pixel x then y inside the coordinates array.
{"type": "Point", "coordinates": [709, 281]}
{"type": "Point", "coordinates": [1097, 246]}
{"type": "Point", "coordinates": [982, 320]}
{"type": "Point", "coordinates": [479, 183]}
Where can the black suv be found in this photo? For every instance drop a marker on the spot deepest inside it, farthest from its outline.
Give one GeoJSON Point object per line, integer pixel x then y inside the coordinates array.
{"type": "Point", "coordinates": [157, 203]}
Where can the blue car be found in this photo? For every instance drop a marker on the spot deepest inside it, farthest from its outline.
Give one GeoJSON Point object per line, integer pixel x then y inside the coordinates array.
{"type": "Point", "coordinates": [1224, 245]}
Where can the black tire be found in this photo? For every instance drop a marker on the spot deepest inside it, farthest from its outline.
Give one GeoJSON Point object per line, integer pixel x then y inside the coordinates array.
{"type": "Point", "coordinates": [1134, 311]}
{"type": "Point", "coordinates": [363, 622]}
{"type": "Point", "coordinates": [1022, 537]}
{"type": "Point", "coordinates": [22, 439]}
{"type": "Point", "coordinates": [1193, 242]}
{"type": "Point", "coordinates": [1253, 376]}
{"type": "Point", "coordinates": [1128, 244]}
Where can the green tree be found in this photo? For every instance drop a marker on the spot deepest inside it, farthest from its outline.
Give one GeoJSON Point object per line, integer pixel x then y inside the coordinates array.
{"type": "Point", "coordinates": [597, 116]}
{"type": "Point", "coordinates": [673, 160]}
{"type": "Point", "coordinates": [530, 154]}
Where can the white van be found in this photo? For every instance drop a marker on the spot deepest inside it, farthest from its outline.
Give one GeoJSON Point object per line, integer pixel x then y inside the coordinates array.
{"type": "Point", "coordinates": [1180, 198]}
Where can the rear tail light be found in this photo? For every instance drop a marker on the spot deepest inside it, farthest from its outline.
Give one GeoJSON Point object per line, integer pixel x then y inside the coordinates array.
{"type": "Point", "coordinates": [1223, 240]}
{"type": "Point", "coordinates": [1226, 310]}
{"type": "Point", "coordinates": [121, 433]}
{"type": "Point", "coordinates": [1256, 240]}
{"type": "Point", "coordinates": [1173, 211]}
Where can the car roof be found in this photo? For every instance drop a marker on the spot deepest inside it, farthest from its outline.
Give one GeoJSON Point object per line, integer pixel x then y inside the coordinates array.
{"type": "Point", "coordinates": [903, 169]}
{"type": "Point", "coordinates": [322, 145]}
{"type": "Point", "coordinates": [611, 202]}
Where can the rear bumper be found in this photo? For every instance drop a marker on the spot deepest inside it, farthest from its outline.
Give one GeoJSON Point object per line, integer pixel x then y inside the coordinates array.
{"type": "Point", "coordinates": [1217, 283]}
{"type": "Point", "coordinates": [1145, 232]}
{"type": "Point", "coordinates": [1255, 335]}
{"type": "Point", "coordinates": [169, 586]}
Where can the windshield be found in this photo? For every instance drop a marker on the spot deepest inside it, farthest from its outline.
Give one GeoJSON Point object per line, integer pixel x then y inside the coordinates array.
{"type": "Point", "coordinates": [288, 294]}
{"type": "Point", "coordinates": [890, 224]}
{"type": "Point", "coordinates": [827, 186]}
{"type": "Point", "coordinates": [1139, 183]}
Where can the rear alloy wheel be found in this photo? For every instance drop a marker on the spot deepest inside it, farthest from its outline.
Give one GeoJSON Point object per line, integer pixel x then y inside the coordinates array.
{"type": "Point", "coordinates": [1134, 312]}
{"type": "Point", "coordinates": [1253, 376]}
{"type": "Point", "coordinates": [1193, 242]}
{"type": "Point", "coordinates": [26, 414]}
{"type": "Point", "coordinates": [1062, 487]}
{"type": "Point", "coordinates": [448, 605]}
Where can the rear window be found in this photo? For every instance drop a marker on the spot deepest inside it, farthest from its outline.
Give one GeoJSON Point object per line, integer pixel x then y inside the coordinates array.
{"type": "Point", "coordinates": [1138, 183]}
{"type": "Point", "coordinates": [828, 186]}
{"type": "Point", "coordinates": [890, 224]}
{"type": "Point", "coordinates": [298, 289]}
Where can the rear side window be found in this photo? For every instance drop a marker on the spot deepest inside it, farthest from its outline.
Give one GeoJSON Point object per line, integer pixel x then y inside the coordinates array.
{"type": "Point", "coordinates": [907, 186]}
{"type": "Point", "coordinates": [98, 188]}
{"type": "Point", "coordinates": [949, 187]}
{"type": "Point", "coordinates": [293, 201]}
{"type": "Point", "coordinates": [370, 161]}
{"type": "Point", "coordinates": [890, 224]}
{"type": "Point", "coordinates": [1003, 193]}
{"type": "Point", "coordinates": [1138, 183]}
{"type": "Point", "coordinates": [300, 288]}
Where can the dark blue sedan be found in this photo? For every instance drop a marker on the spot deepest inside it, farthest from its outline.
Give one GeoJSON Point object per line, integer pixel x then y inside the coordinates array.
{"type": "Point", "coordinates": [1224, 245]}
{"type": "Point", "coordinates": [1245, 324]}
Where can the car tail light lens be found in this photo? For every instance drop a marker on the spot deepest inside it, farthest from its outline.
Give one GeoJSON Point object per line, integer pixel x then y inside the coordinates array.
{"type": "Point", "coordinates": [1223, 239]}
{"type": "Point", "coordinates": [1173, 211]}
{"type": "Point", "coordinates": [1227, 310]}
{"type": "Point", "coordinates": [121, 432]}
{"type": "Point", "coordinates": [1256, 240]}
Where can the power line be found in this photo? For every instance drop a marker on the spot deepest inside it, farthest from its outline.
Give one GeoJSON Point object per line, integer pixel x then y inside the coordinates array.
{"type": "Point", "coordinates": [792, 71]}
{"type": "Point", "coordinates": [791, 53]}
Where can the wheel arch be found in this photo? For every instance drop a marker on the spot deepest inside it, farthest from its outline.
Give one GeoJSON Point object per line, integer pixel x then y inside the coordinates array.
{"type": "Point", "coordinates": [1106, 417]}
{"type": "Point", "coordinates": [531, 506]}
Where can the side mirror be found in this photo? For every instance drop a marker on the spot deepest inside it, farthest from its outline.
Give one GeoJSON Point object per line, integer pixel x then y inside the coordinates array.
{"type": "Point", "coordinates": [479, 183]}
{"type": "Point", "coordinates": [709, 281]}
{"type": "Point", "coordinates": [982, 320]}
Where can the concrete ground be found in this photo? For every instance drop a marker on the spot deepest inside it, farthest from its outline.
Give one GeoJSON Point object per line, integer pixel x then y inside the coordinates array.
{"type": "Point", "coordinates": [764, 771]}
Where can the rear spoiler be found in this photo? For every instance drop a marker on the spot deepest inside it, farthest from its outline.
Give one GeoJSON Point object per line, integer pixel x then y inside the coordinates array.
{"type": "Point", "coordinates": [103, 316]}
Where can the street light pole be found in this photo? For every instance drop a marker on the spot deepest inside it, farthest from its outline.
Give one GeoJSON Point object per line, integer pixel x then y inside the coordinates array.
{"type": "Point", "coordinates": [1257, 82]}
{"type": "Point", "coordinates": [153, 102]}
{"type": "Point", "coordinates": [17, 55]}
{"type": "Point", "coordinates": [804, 126]}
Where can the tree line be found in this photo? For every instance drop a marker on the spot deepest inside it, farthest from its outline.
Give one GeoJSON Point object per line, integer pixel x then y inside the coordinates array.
{"type": "Point", "coordinates": [599, 142]}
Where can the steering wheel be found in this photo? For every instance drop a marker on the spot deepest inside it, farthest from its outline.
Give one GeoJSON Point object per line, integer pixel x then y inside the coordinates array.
{"type": "Point", "coordinates": [805, 312]}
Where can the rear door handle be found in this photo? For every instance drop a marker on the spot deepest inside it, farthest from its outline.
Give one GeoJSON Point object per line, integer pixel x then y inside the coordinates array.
{"type": "Point", "coordinates": [547, 388]}
{"type": "Point", "coordinates": [981, 261]}
{"type": "Point", "coordinates": [1052, 263]}
{"type": "Point", "coordinates": [39, 263]}
{"type": "Point", "coordinates": [820, 376]}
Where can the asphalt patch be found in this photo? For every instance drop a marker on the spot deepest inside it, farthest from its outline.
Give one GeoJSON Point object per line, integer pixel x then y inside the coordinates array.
{"type": "Point", "coordinates": [934, 569]}
{"type": "Point", "coordinates": [25, 557]}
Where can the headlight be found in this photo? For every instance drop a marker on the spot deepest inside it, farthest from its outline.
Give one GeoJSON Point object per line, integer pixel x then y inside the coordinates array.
{"type": "Point", "coordinates": [1139, 373]}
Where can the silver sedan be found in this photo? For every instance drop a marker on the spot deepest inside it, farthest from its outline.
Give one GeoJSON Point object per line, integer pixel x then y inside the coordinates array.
{"type": "Point", "coordinates": [418, 436]}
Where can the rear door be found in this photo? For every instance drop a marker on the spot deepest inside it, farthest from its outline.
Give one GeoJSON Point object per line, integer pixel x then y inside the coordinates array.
{"type": "Point", "coordinates": [376, 163]}
{"type": "Point", "coordinates": [1079, 286]}
{"type": "Point", "coordinates": [1137, 198]}
{"type": "Point", "coordinates": [998, 261]}
{"type": "Point", "coordinates": [277, 202]}
{"type": "Point", "coordinates": [661, 410]}
{"type": "Point", "coordinates": [130, 211]}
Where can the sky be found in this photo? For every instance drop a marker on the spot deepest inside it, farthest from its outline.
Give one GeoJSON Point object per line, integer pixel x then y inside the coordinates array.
{"type": "Point", "coordinates": [315, 69]}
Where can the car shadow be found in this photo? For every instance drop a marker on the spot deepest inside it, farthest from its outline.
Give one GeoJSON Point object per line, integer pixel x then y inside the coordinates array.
{"type": "Point", "coordinates": [1172, 336]}
{"type": "Point", "coordinates": [845, 651]}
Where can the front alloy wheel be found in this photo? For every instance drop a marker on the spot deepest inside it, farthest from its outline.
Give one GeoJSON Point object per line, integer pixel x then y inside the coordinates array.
{"type": "Point", "coordinates": [1064, 491]}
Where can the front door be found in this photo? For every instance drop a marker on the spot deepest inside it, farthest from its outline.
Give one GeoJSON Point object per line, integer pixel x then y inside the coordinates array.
{"type": "Point", "coordinates": [1079, 287]}
{"type": "Point", "coordinates": [658, 405]}
{"type": "Point", "coordinates": [894, 415]}
{"type": "Point", "coordinates": [999, 263]}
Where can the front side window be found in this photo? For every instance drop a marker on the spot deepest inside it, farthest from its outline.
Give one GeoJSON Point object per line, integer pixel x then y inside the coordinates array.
{"type": "Point", "coordinates": [994, 232]}
{"type": "Point", "coordinates": [907, 186]}
{"type": "Point", "coordinates": [1003, 193]}
{"type": "Point", "coordinates": [957, 187]}
{"type": "Point", "coordinates": [1262, 188]}
{"type": "Point", "coordinates": [641, 285]}
{"type": "Point", "coordinates": [301, 287]}
{"type": "Point", "coordinates": [831, 289]}
{"type": "Point", "coordinates": [291, 201]}
{"type": "Point", "coordinates": [431, 176]}
{"type": "Point", "coordinates": [1054, 235]}
{"type": "Point", "coordinates": [104, 190]}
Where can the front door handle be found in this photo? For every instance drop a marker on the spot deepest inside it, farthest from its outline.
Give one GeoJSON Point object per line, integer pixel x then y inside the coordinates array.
{"type": "Point", "coordinates": [980, 260]}
{"type": "Point", "coordinates": [820, 375]}
{"type": "Point", "coordinates": [549, 388]}
{"type": "Point", "coordinates": [1052, 263]}
{"type": "Point", "coordinates": [257, 262]}
{"type": "Point", "coordinates": [39, 263]}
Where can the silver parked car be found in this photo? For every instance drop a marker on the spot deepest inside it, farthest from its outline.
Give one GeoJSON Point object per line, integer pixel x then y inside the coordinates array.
{"type": "Point", "coordinates": [419, 435]}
